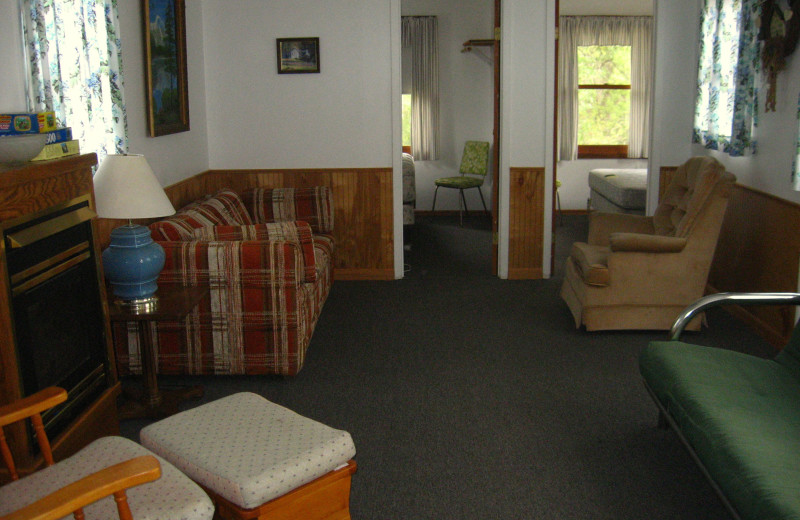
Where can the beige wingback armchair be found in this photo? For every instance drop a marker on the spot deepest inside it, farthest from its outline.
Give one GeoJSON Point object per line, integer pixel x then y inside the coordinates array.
{"type": "Point", "coordinates": [639, 272]}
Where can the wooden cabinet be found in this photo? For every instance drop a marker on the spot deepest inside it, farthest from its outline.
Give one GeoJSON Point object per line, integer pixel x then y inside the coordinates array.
{"type": "Point", "coordinates": [27, 191]}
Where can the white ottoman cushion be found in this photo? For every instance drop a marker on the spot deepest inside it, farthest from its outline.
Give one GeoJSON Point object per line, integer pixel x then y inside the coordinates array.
{"type": "Point", "coordinates": [247, 449]}
{"type": "Point", "coordinates": [173, 496]}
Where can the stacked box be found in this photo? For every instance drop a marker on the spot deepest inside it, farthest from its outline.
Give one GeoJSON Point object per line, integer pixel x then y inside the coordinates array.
{"type": "Point", "coordinates": [59, 136]}
{"type": "Point", "coordinates": [21, 123]}
{"type": "Point", "coordinates": [58, 150]}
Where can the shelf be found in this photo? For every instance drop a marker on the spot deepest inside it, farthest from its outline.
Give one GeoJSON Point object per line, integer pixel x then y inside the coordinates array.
{"type": "Point", "coordinates": [469, 44]}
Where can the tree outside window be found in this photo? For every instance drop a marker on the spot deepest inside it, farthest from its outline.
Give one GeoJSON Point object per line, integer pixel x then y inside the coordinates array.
{"type": "Point", "coordinates": [406, 122]}
{"type": "Point", "coordinates": [604, 86]}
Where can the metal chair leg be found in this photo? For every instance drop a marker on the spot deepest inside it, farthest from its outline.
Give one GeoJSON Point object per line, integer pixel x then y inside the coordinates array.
{"type": "Point", "coordinates": [464, 199]}
{"type": "Point", "coordinates": [485, 210]}
{"type": "Point", "coordinates": [436, 191]}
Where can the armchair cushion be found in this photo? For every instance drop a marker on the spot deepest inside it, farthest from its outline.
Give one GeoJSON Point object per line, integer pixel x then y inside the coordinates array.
{"type": "Point", "coordinates": [646, 243]}
{"type": "Point", "coordinates": [297, 232]}
{"type": "Point", "coordinates": [313, 205]}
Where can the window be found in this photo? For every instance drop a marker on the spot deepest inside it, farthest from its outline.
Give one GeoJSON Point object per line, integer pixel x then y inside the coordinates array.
{"type": "Point", "coordinates": [604, 74]}
{"type": "Point", "coordinates": [406, 122]}
{"type": "Point", "coordinates": [727, 96]}
{"type": "Point", "coordinates": [604, 100]}
{"type": "Point", "coordinates": [74, 58]}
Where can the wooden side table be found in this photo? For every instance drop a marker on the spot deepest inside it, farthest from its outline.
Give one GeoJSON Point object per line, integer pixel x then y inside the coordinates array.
{"type": "Point", "coordinates": [174, 304]}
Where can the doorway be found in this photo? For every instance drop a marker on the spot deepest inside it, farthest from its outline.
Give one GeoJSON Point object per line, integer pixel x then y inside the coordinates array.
{"type": "Point", "coordinates": [614, 26]}
{"type": "Point", "coordinates": [472, 67]}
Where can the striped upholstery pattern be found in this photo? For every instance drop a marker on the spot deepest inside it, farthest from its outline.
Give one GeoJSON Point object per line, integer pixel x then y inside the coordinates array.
{"type": "Point", "coordinates": [313, 205]}
{"type": "Point", "coordinates": [224, 208]}
{"type": "Point", "coordinates": [267, 285]}
{"type": "Point", "coordinates": [296, 232]}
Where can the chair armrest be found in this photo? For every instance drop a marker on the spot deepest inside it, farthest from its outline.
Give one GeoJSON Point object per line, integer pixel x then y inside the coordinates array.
{"type": "Point", "coordinates": [727, 298]}
{"type": "Point", "coordinates": [36, 403]}
{"type": "Point", "coordinates": [645, 243]}
{"type": "Point", "coordinates": [313, 205]}
{"type": "Point", "coordinates": [113, 480]}
{"type": "Point", "coordinates": [601, 225]}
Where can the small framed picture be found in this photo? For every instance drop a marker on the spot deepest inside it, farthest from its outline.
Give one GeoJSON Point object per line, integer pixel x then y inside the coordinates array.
{"type": "Point", "coordinates": [298, 55]}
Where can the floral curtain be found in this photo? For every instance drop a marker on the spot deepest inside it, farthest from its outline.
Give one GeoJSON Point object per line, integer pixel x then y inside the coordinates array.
{"type": "Point", "coordinates": [726, 110]}
{"type": "Point", "coordinates": [74, 57]}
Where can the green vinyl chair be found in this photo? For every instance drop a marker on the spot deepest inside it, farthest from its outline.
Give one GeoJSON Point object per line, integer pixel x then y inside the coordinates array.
{"type": "Point", "coordinates": [473, 170]}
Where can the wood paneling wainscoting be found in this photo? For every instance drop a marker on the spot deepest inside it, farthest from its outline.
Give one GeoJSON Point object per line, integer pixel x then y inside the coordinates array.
{"type": "Point", "coordinates": [363, 221]}
{"type": "Point", "coordinates": [526, 224]}
{"type": "Point", "coordinates": [758, 251]}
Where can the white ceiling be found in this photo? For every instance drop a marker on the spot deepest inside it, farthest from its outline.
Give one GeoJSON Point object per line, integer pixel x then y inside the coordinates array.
{"type": "Point", "coordinates": [605, 7]}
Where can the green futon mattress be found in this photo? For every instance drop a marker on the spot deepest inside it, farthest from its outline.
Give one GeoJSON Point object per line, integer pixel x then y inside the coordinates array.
{"type": "Point", "coordinates": [741, 415]}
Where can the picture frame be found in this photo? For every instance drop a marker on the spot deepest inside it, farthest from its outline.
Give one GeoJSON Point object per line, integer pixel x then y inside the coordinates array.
{"type": "Point", "coordinates": [166, 78]}
{"type": "Point", "coordinates": [298, 55]}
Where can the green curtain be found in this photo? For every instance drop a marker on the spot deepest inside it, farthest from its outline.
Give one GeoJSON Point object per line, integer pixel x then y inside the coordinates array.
{"type": "Point", "coordinates": [726, 110]}
{"type": "Point", "coordinates": [74, 56]}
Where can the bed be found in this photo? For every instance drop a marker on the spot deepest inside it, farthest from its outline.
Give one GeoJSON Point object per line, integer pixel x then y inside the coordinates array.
{"type": "Point", "coordinates": [409, 189]}
{"type": "Point", "coordinates": [618, 190]}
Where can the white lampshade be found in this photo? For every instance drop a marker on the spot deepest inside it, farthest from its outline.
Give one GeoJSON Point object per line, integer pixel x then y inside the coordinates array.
{"type": "Point", "coordinates": [125, 187]}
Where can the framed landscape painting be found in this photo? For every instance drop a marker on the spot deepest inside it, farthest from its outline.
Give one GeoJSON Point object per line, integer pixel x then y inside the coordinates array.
{"type": "Point", "coordinates": [165, 70]}
{"type": "Point", "coordinates": [298, 55]}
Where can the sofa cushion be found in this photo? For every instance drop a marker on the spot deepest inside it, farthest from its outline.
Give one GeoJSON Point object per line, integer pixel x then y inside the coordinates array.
{"type": "Point", "coordinates": [740, 414]}
{"type": "Point", "coordinates": [313, 205]}
{"type": "Point", "coordinates": [297, 232]}
{"type": "Point", "coordinates": [224, 208]}
{"type": "Point", "coordinates": [592, 263]}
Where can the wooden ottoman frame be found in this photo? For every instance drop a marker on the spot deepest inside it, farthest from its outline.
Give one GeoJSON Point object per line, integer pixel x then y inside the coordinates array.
{"type": "Point", "coordinates": [326, 498]}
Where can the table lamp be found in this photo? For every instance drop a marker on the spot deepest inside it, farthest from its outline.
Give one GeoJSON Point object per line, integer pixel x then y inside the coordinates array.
{"type": "Point", "coordinates": [126, 188]}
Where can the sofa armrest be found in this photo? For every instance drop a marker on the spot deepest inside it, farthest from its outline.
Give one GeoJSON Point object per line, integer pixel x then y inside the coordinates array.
{"type": "Point", "coordinates": [313, 205]}
{"type": "Point", "coordinates": [601, 225]}
{"type": "Point", "coordinates": [646, 243]}
{"type": "Point", "coordinates": [296, 232]}
{"type": "Point", "coordinates": [728, 298]}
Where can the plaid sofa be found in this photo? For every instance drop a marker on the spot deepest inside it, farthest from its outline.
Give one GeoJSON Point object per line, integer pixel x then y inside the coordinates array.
{"type": "Point", "coordinates": [267, 258]}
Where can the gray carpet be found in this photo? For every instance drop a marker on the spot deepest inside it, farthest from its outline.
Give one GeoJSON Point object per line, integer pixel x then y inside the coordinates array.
{"type": "Point", "coordinates": [470, 397]}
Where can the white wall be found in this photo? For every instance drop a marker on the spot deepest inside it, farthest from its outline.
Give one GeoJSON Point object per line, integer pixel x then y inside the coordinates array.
{"type": "Point", "coordinates": [178, 156]}
{"type": "Point", "coordinates": [675, 86]}
{"type": "Point", "coordinates": [12, 81]}
{"type": "Point", "coordinates": [466, 87]}
{"type": "Point", "coordinates": [527, 106]}
{"type": "Point", "coordinates": [341, 117]}
{"type": "Point", "coordinates": [173, 157]}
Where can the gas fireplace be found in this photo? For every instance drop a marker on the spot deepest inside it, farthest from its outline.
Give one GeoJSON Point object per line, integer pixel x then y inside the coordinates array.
{"type": "Point", "coordinates": [56, 307]}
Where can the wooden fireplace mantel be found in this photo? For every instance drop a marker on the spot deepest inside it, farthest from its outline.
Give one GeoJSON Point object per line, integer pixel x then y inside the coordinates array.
{"type": "Point", "coordinates": [24, 190]}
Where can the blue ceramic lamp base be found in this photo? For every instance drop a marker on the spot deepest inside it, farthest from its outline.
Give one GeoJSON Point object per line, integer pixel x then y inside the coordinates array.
{"type": "Point", "coordinates": [132, 264]}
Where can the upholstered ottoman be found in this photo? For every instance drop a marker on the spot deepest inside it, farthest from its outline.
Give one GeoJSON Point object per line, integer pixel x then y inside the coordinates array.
{"type": "Point", "coordinates": [258, 459]}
